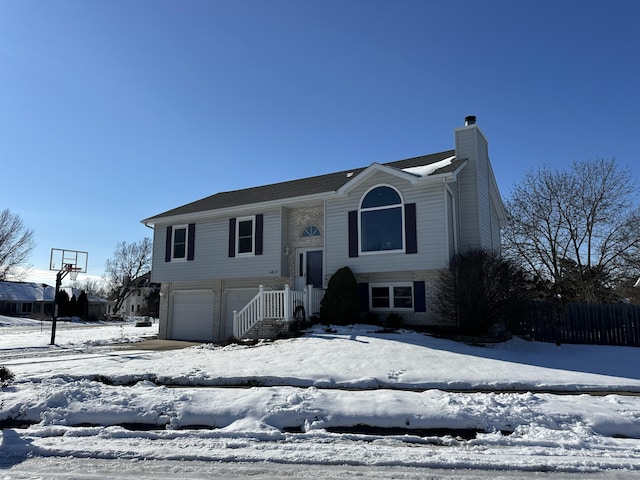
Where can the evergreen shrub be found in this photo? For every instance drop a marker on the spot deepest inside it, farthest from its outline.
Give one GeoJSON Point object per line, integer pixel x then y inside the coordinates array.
{"type": "Point", "coordinates": [341, 301]}
{"type": "Point", "coordinates": [393, 321]}
{"type": "Point", "coordinates": [6, 377]}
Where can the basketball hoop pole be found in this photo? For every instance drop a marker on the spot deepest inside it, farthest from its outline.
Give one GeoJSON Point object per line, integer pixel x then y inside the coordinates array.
{"type": "Point", "coordinates": [64, 261]}
{"type": "Point", "coordinates": [59, 276]}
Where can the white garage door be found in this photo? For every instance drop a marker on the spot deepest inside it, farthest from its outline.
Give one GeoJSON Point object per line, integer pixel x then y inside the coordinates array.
{"type": "Point", "coordinates": [235, 299]}
{"type": "Point", "coordinates": [192, 317]}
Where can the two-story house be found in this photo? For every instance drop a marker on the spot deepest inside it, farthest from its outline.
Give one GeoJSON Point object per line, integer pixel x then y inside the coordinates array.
{"type": "Point", "coordinates": [142, 297]}
{"type": "Point", "coordinates": [234, 261]}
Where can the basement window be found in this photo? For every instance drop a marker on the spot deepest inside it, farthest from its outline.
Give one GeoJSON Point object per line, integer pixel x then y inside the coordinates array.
{"type": "Point", "coordinates": [397, 296]}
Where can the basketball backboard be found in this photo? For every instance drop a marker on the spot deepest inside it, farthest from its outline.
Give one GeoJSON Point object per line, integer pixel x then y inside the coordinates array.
{"type": "Point", "coordinates": [64, 259]}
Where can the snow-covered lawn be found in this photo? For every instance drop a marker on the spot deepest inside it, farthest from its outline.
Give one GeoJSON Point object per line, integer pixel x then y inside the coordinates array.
{"type": "Point", "coordinates": [349, 396]}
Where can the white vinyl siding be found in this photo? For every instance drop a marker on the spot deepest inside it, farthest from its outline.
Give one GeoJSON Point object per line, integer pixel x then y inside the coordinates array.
{"type": "Point", "coordinates": [495, 229]}
{"type": "Point", "coordinates": [484, 198]}
{"type": "Point", "coordinates": [479, 223]}
{"type": "Point", "coordinates": [466, 147]}
{"type": "Point", "coordinates": [212, 260]}
{"type": "Point", "coordinates": [452, 224]}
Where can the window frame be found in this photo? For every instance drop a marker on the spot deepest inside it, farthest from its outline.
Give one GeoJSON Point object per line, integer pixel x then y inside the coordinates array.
{"type": "Point", "coordinates": [365, 210]}
{"type": "Point", "coordinates": [310, 231]}
{"type": "Point", "coordinates": [390, 286]}
{"type": "Point", "coordinates": [173, 243]}
{"type": "Point", "coordinates": [240, 220]}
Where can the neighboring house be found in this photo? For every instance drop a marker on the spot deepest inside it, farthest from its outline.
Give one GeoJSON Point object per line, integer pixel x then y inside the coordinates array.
{"type": "Point", "coordinates": [35, 300]}
{"type": "Point", "coordinates": [140, 301]}
{"type": "Point", "coordinates": [26, 299]}
{"type": "Point", "coordinates": [396, 225]}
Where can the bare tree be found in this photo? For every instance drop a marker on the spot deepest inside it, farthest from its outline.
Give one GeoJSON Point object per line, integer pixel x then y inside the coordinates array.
{"type": "Point", "coordinates": [16, 244]}
{"type": "Point", "coordinates": [91, 286]}
{"type": "Point", "coordinates": [130, 261]}
{"type": "Point", "coordinates": [577, 231]}
{"type": "Point", "coordinates": [481, 292]}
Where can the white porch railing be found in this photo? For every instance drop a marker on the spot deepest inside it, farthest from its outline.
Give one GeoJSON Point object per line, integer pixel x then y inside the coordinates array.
{"type": "Point", "coordinates": [276, 304]}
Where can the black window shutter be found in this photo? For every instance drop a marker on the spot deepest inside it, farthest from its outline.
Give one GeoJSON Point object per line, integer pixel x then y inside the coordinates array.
{"type": "Point", "coordinates": [363, 294]}
{"type": "Point", "coordinates": [167, 249]}
{"type": "Point", "coordinates": [191, 238]}
{"type": "Point", "coordinates": [353, 233]}
{"type": "Point", "coordinates": [410, 228]}
{"type": "Point", "coordinates": [419, 300]}
{"type": "Point", "coordinates": [259, 233]}
{"type": "Point", "coordinates": [232, 237]}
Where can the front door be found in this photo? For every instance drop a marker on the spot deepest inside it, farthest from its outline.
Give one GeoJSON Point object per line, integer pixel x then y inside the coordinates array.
{"type": "Point", "coordinates": [308, 268]}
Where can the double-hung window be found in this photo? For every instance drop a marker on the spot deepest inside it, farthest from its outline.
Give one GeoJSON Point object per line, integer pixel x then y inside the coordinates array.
{"type": "Point", "coordinates": [179, 242]}
{"type": "Point", "coordinates": [245, 236]}
{"type": "Point", "coordinates": [381, 220]}
{"type": "Point", "coordinates": [391, 297]}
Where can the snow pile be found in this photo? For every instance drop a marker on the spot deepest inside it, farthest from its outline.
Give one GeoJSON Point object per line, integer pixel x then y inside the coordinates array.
{"type": "Point", "coordinates": [349, 396]}
{"type": "Point", "coordinates": [424, 170]}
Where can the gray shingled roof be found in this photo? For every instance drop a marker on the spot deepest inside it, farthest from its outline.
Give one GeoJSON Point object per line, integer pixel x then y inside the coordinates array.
{"type": "Point", "coordinates": [297, 188]}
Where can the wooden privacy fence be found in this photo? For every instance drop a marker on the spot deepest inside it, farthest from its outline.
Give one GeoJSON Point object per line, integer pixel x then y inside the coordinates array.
{"type": "Point", "coordinates": [596, 324]}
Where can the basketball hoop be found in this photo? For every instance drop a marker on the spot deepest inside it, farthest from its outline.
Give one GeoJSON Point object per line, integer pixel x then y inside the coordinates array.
{"type": "Point", "coordinates": [72, 270]}
{"type": "Point", "coordinates": [71, 262]}
{"type": "Point", "coordinates": [73, 273]}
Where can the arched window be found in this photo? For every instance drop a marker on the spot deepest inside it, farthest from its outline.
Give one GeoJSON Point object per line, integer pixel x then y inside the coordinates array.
{"type": "Point", "coordinates": [311, 231]}
{"type": "Point", "coordinates": [381, 220]}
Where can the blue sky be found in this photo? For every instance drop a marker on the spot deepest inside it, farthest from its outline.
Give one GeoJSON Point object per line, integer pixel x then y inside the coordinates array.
{"type": "Point", "coordinates": [114, 111]}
